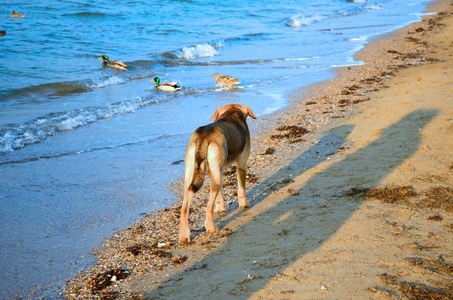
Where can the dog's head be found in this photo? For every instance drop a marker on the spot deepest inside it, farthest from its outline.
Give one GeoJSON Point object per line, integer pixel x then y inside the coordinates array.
{"type": "Point", "coordinates": [243, 108]}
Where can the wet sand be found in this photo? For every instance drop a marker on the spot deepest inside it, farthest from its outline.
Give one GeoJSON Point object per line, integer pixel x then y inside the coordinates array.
{"type": "Point", "coordinates": [350, 190]}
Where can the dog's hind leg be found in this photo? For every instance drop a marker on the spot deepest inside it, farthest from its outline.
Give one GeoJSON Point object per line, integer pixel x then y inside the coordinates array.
{"type": "Point", "coordinates": [216, 160]}
{"type": "Point", "coordinates": [215, 191]}
{"type": "Point", "coordinates": [184, 231]}
{"type": "Point", "coordinates": [219, 205]}
{"type": "Point", "coordinates": [242, 173]}
{"type": "Point", "coordinates": [189, 192]}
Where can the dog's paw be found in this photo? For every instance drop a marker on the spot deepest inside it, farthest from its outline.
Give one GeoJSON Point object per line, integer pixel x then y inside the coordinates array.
{"type": "Point", "coordinates": [244, 205]}
{"type": "Point", "coordinates": [184, 236]}
{"type": "Point", "coordinates": [220, 210]}
{"type": "Point", "coordinates": [212, 228]}
{"type": "Point", "coordinates": [184, 239]}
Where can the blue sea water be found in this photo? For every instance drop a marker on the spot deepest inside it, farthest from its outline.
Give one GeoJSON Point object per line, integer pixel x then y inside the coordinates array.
{"type": "Point", "coordinates": [84, 149]}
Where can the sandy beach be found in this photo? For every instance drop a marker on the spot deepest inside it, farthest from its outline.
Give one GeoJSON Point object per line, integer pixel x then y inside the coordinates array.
{"type": "Point", "coordinates": [351, 192]}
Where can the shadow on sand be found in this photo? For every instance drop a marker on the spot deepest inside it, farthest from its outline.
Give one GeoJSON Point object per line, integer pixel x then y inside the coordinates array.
{"type": "Point", "coordinates": [300, 222]}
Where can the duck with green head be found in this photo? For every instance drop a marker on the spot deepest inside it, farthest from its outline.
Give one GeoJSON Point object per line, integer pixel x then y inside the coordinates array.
{"type": "Point", "coordinates": [167, 86]}
{"type": "Point", "coordinates": [113, 64]}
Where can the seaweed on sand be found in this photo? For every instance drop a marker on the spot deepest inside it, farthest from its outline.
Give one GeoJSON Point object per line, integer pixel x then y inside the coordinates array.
{"type": "Point", "coordinates": [392, 194]}
{"type": "Point", "coordinates": [419, 291]}
{"type": "Point", "coordinates": [438, 197]}
{"type": "Point", "coordinates": [293, 133]}
{"type": "Point", "coordinates": [102, 280]}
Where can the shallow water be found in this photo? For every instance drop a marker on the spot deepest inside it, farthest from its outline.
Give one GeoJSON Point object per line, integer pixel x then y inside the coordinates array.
{"type": "Point", "coordinates": [84, 149]}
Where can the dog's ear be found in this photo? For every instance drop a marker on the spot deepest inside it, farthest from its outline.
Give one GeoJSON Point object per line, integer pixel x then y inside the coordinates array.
{"type": "Point", "coordinates": [248, 111]}
{"type": "Point", "coordinates": [216, 114]}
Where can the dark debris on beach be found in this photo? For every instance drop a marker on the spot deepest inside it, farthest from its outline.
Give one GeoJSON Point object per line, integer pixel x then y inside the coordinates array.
{"type": "Point", "coordinates": [292, 133]}
{"type": "Point", "coordinates": [439, 197]}
{"type": "Point", "coordinates": [418, 291]}
{"type": "Point", "coordinates": [392, 194]}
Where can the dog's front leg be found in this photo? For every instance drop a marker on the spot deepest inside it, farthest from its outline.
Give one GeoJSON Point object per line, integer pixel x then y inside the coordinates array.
{"type": "Point", "coordinates": [216, 160]}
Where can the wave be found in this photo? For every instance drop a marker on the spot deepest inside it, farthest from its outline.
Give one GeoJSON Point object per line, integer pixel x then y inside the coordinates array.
{"type": "Point", "coordinates": [300, 20]}
{"type": "Point", "coordinates": [87, 14]}
{"type": "Point", "coordinates": [70, 87]}
{"type": "Point", "coordinates": [108, 82]}
{"type": "Point", "coordinates": [36, 131]}
{"type": "Point", "coordinates": [93, 15]}
{"type": "Point", "coordinates": [243, 62]}
{"type": "Point", "coordinates": [199, 51]}
{"type": "Point", "coordinates": [376, 6]}
{"type": "Point", "coordinates": [248, 37]}
{"type": "Point", "coordinates": [35, 158]}
{"type": "Point", "coordinates": [47, 88]}
{"type": "Point", "coordinates": [60, 88]}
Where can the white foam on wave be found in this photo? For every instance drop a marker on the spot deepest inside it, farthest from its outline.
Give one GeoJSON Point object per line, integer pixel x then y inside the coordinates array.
{"type": "Point", "coordinates": [377, 6]}
{"type": "Point", "coordinates": [300, 20]}
{"type": "Point", "coordinates": [38, 130]}
{"type": "Point", "coordinates": [78, 121]}
{"type": "Point", "coordinates": [359, 39]}
{"type": "Point", "coordinates": [109, 82]}
{"type": "Point", "coordinates": [298, 58]}
{"type": "Point", "coordinates": [198, 51]}
{"type": "Point", "coordinates": [41, 121]}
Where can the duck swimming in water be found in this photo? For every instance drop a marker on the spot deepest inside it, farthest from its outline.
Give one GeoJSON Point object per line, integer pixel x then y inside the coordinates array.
{"type": "Point", "coordinates": [226, 80]}
{"type": "Point", "coordinates": [16, 15]}
{"type": "Point", "coordinates": [113, 64]}
{"type": "Point", "coordinates": [167, 86]}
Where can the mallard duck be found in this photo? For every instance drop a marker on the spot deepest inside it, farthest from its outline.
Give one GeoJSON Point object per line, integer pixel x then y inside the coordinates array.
{"type": "Point", "coordinates": [167, 86]}
{"type": "Point", "coordinates": [114, 64]}
{"type": "Point", "coordinates": [226, 80]}
{"type": "Point", "coordinates": [16, 15]}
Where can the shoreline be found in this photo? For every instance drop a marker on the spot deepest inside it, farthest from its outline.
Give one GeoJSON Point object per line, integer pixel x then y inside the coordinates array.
{"type": "Point", "coordinates": [134, 254]}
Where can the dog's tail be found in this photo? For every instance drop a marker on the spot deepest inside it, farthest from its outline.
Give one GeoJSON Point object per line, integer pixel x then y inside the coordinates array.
{"type": "Point", "coordinates": [199, 168]}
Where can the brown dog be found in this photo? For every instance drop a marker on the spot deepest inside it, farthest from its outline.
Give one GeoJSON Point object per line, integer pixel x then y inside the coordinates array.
{"type": "Point", "coordinates": [213, 148]}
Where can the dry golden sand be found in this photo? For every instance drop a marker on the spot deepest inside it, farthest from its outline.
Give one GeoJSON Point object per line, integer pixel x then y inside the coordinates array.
{"type": "Point", "coordinates": [360, 207]}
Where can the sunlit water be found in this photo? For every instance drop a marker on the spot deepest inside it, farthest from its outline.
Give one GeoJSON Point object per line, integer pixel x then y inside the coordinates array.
{"type": "Point", "coordinates": [84, 149]}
